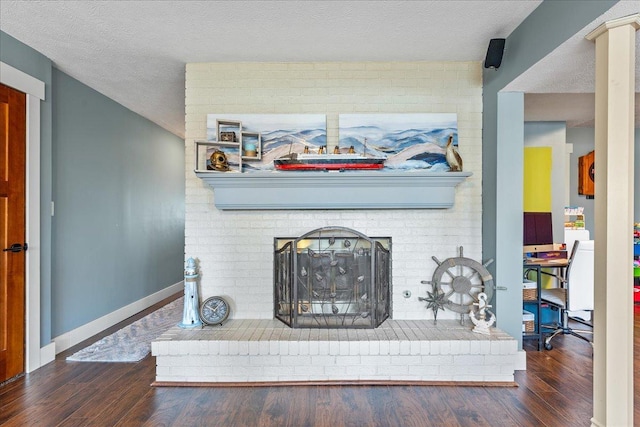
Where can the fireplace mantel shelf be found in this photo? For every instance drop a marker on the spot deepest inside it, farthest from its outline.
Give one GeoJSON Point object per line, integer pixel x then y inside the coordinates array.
{"type": "Point", "coordinates": [334, 190]}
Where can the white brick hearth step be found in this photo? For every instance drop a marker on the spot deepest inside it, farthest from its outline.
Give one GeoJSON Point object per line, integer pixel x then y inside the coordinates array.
{"type": "Point", "coordinates": [250, 351]}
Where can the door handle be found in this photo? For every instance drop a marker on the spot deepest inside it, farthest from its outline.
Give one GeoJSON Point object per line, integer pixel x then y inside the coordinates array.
{"type": "Point", "coordinates": [16, 247]}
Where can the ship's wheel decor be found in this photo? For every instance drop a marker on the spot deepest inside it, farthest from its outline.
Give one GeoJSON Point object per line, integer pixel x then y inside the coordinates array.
{"type": "Point", "coordinates": [457, 282]}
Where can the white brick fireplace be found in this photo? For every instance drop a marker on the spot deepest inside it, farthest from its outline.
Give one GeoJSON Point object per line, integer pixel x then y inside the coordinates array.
{"type": "Point", "coordinates": [235, 248]}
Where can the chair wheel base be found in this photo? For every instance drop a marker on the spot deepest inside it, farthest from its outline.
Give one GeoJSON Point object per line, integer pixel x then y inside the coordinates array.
{"type": "Point", "coordinates": [548, 346]}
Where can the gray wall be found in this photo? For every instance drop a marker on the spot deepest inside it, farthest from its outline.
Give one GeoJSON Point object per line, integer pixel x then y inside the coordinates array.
{"type": "Point", "coordinates": [118, 186]}
{"type": "Point", "coordinates": [542, 31]}
{"type": "Point", "coordinates": [31, 62]}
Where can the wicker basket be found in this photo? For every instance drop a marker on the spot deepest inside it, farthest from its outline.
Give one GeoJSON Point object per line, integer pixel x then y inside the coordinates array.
{"type": "Point", "coordinates": [528, 322]}
{"type": "Point", "coordinates": [529, 326]}
{"type": "Point", "coordinates": [530, 294]}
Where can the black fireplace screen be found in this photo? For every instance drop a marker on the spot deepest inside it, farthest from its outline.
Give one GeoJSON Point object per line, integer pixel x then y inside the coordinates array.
{"type": "Point", "coordinates": [332, 277]}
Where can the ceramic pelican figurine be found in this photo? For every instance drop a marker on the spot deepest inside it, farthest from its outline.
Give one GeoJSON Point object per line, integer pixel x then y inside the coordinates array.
{"type": "Point", "coordinates": [453, 157]}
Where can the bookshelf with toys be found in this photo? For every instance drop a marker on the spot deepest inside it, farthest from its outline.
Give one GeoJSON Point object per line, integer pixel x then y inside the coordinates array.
{"type": "Point", "coordinates": [636, 262]}
{"type": "Point", "coordinates": [574, 226]}
{"type": "Point", "coordinates": [574, 218]}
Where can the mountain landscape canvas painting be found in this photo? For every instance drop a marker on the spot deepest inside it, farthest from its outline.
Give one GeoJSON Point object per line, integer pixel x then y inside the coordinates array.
{"type": "Point", "coordinates": [409, 141]}
{"type": "Point", "coordinates": [281, 134]}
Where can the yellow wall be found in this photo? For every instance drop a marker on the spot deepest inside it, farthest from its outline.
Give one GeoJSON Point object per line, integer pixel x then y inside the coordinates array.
{"type": "Point", "coordinates": [537, 179]}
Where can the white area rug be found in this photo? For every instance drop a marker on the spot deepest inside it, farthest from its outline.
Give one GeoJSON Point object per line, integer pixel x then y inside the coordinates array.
{"type": "Point", "coordinates": [132, 343]}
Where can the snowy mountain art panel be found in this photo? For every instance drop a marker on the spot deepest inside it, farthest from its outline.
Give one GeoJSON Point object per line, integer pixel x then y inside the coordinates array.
{"type": "Point", "coordinates": [415, 141]}
{"type": "Point", "coordinates": [281, 134]}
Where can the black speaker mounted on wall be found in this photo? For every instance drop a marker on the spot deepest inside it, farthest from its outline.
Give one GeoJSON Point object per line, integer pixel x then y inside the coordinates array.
{"type": "Point", "coordinates": [494, 54]}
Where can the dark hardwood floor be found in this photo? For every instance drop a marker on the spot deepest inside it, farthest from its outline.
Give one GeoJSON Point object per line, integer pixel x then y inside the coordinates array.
{"type": "Point", "coordinates": [556, 390]}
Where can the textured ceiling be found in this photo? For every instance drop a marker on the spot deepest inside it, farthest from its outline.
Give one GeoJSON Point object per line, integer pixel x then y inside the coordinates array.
{"type": "Point", "coordinates": [570, 68]}
{"type": "Point", "coordinates": [560, 86]}
{"type": "Point", "coordinates": [135, 51]}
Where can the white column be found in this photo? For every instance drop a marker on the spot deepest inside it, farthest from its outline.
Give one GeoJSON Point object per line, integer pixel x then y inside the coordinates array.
{"type": "Point", "coordinates": [613, 313]}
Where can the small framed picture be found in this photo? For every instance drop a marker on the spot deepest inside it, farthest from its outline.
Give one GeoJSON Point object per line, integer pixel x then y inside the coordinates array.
{"type": "Point", "coordinates": [228, 137]}
{"type": "Point", "coordinates": [229, 131]}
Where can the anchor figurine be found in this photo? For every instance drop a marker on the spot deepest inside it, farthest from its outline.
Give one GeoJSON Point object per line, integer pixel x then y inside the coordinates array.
{"type": "Point", "coordinates": [481, 323]}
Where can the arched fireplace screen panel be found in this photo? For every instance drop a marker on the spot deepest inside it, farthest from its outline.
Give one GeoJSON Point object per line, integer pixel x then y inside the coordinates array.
{"type": "Point", "coordinates": [332, 277]}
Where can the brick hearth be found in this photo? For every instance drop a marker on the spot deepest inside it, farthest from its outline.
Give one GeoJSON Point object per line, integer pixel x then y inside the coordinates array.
{"type": "Point", "coordinates": [253, 351]}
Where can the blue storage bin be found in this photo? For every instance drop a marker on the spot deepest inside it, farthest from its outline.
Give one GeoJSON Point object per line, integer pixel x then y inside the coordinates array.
{"type": "Point", "coordinates": [548, 315]}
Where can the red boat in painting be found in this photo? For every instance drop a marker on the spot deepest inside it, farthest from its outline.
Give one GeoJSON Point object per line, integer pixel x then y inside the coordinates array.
{"type": "Point", "coordinates": [302, 162]}
{"type": "Point", "coordinates": [322, 161]}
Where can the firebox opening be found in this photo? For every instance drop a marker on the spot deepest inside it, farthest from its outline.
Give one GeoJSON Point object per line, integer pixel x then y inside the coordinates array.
{"type": "Point", "coordinates": [332, 277]}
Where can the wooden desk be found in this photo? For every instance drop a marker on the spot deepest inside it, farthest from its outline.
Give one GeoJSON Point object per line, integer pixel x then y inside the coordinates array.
{"type": "Point", "coordinates": [560, 264]}
{"type": "Point", "coordinates": [546, 263]}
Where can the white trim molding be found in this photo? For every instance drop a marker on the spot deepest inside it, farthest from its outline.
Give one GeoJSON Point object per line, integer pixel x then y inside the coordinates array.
{"type": "Point", "coordinates": [633, 20]}
{"type": "Point", "coordinates": [21, 81]}
{"type": "Point", "coordinates": [34, 361]}
{"type": "Point", "coordinates": [35, 90]}
{"type": "Point", "coordinates": [76, 336]}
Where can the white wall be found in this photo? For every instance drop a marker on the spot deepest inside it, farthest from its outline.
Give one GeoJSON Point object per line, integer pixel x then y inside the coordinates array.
{"type": "Point", "coordinates": [235, 249]}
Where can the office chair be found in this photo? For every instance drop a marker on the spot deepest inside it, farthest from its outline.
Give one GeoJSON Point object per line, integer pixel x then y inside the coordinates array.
{"type": "Point", "coordinates": [575, 293]}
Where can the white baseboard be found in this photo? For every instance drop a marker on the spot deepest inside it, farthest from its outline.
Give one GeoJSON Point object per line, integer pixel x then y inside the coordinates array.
{"type": "Point", "coordinates": [71, 338]}
{"type": "Point", "coordinates": [47, 353]}
{"type": "Point", "coordinates": [41, 357]}
{"type": "Point", "coordinates": [521, 361]}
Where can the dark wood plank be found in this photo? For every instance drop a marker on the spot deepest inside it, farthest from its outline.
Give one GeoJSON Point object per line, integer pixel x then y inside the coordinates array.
{"type": "Point", "coordinates": [420, 406]}
{"type": "Point", "coordinates": [527, 408]}
{"type": "Point", "coordinates": [148, 413]}
{"type": "Point", "coordinates": [31, 390]}
{"type": "Point", "coordinates": [466, 411]}
{"type": "Point", "coordinates": [576, 412]}
{"type": "Point", "coordinates": [54, 408]}
{"type": "Point", "coordinates": [226, 409]}
{"type": "Point", "coordinates": [329, 410]}
{"type": "Point", "coordinates": [207, 407]}
{"type": "Point", "coordinates": [278, 404]}
{"type": "Point", "coordinates": [78, 422]}
{"type": "Point", "coordinates": [437, 412]}
{"type": "Point", "coordinates": [132, 390]}
{"type": "Point", "coordinates": [104, 400]}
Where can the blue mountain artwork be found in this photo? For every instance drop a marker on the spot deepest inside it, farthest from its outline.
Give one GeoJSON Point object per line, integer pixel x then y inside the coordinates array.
{"type": "Point", "coordinates": [405, 149]}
